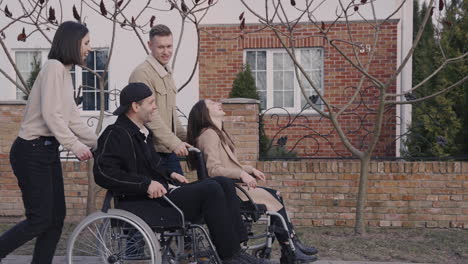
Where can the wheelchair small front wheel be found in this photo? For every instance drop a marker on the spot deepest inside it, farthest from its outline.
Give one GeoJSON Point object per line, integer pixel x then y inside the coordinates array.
{"type": "Point", "coordinates": [264, 253]}
{"type": "Point", "coordinates": [115, 237]}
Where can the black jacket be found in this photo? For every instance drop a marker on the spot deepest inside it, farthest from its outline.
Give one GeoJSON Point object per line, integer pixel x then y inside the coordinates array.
{"type": "Point", "coordinates": [124, 162]}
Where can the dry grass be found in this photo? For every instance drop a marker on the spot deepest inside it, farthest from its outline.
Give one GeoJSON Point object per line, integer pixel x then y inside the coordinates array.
{"type": "Point", "coordinates": [390, 244]}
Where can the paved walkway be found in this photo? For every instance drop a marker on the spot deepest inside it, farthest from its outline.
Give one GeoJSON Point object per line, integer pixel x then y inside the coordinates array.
{"type": "Point", "coordinates": [85, 260]}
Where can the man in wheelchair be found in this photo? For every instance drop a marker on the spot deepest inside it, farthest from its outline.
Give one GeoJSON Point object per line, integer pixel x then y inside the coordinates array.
{"type": "Point", "coordinates": [127, 163]}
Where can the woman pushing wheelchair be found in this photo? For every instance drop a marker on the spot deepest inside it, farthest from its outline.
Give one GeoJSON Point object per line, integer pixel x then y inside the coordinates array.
{"type": "Point", "coordinates": [206, 132]}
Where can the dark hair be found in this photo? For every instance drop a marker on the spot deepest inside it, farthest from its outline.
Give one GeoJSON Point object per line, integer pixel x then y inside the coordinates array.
{"type": "Point", "coordinates": [66, 46]}
{"type": "Point", "coordinates": [199, 120]}
{"type": "Point", "coordinates": [159, 30]}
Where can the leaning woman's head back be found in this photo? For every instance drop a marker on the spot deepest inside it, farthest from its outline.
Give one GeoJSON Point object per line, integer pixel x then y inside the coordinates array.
{"type": "Point", "coordinates": [66, 46]}
{"type": "Point", "coordinates": [200, 119]}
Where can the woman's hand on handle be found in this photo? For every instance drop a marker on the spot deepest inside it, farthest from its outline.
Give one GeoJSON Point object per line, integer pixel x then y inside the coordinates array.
{"type": "Point", "coordinates": [83, 153]}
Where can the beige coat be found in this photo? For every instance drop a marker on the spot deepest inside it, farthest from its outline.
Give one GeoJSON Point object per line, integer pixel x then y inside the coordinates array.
{"type": "Point", "coordinates": [221, 161]}
{"type": "Point", "coordinates": [52, 111]}
{"type": "Point", "coordinates": [166, 126]}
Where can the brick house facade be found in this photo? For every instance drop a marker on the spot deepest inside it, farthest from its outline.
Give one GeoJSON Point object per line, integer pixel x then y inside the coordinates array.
{"type": "Point", "coordinates": [223, 53]}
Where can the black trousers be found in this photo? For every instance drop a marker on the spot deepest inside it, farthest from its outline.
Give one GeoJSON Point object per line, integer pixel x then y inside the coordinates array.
{"type": "Point", "coordinates": [215, 201]}
{"type": "Point", "coordinates": [36, 165]}
{"type": "Point", "coordinates": [171, 162]}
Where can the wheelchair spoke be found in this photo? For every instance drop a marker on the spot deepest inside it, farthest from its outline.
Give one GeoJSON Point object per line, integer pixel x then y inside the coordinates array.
{"type": "Point", "coordinates": [99, 238]}
{"type": "Point", "coordinates": [110, 240]}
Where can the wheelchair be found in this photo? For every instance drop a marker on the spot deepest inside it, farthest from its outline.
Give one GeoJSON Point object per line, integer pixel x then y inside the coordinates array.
{"type": "Point", "coordinates": [121, 235]}
{"type": "Point", "coordinates": [256, 217]}
{"type": "Point", "coordinates": [260, 228]}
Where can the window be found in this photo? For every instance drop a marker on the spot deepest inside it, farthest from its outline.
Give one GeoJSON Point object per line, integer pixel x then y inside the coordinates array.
{"type": "Point", "coordinates": [88, 83]}
{"type": "Point", "coordinates": [276, 80]}
{"type": "Point", "coordinates": [29, 65]}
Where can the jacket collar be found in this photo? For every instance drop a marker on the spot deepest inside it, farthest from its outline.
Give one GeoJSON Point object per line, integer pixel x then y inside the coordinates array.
{"type": "Point", "coordinates": [158, 67]}
{"type": "Point", "coordinates": [128, 124]}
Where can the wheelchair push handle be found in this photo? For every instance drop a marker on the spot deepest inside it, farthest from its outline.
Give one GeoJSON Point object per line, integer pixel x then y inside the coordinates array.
{"type": "Point", "coordinates": [194, 149]}
{"type": "Point", "coordinates": [202, 172]}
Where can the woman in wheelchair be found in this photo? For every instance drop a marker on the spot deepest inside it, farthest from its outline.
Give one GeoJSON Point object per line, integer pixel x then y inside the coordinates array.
{"type": "Point", "coordinates": [205, 131]}
{"type": "Point", "coordinates": [126, 162]}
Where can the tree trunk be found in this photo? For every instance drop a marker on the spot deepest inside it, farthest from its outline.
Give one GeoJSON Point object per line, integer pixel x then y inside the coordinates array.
{"type": "Point", "coordinates": [360, 227]}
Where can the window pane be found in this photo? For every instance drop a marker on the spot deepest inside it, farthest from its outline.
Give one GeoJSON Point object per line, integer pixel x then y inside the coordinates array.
{"type": "Point", "coordinates": [306, 61]}
{"type": "Point", "coordinates": [316, 77]}
{"type": "Point", "coordinates": [303, 100]}
{"type": "Point", "coordinates": [288, 81]}
{"type": "Point", "coordinates": [101, 57]}
{"type": "Point", "coordinates": [89, 100]}
{"type": "Point", "coordinates": [261, 81]}
{"type": "Point", "coordinates": [261, 60]}
{"type": "Point", "coordinates": [262, 96]}
{"type": "Point", "coordinates": [288, 99]}
{"type": "Point", "coordinates": [278, 81]}
{"type": "Point", "coordinates": [88, 80]}
{"type": "Point", "coordinates": [288, 62]}
{"type": "Point", "coordinates": [316, 58]}
{"type": "Point", "coordinates": [98, 101]}
{"type": "Point", "coordinates": [95, 61]}
{"type": "Point", "coordinates": [250, 58]}
{"type": "Point", "coordinates": [305, 83]}
{"type": "Point", "coordinates": [277, 99]}
{"type": "Point", "coordinates": [26, 62]}
{"type": "Point", "coordinates": [22, 61]}
{"type": "Point", "coordinates": [277, 61]}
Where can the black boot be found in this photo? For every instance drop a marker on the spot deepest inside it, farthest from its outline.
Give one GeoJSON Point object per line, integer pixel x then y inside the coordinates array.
{"type": "Point", "coordinates": [290, 257]}
{"type": "Point", "coordinates": [305, 249]}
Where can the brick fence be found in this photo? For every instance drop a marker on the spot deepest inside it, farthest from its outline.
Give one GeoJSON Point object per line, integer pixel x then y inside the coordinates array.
{"type": "Point", "coordinates": [317, 192]}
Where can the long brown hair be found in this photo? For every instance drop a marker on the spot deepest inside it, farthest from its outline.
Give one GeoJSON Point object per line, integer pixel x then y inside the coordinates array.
{"type": "Point", "coordinates": [199, 120]}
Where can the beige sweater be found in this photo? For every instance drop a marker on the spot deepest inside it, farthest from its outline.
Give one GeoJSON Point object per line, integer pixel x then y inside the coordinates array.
{"type": "Point", "coordinates": [221, 161]}
{"type": "Point", "coordinates": [51, 110]}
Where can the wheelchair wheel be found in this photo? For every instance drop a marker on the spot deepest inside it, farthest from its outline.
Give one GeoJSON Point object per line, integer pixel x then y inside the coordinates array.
{"type": "Point", "coordinates": [114, 237]}
{"type": "Point", "coordinates": [264, 253]}
{"type": "Point", "coordinates": [202, 248]}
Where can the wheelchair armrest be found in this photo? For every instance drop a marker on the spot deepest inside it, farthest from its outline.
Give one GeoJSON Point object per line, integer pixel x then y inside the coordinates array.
{"type": "Point", "coordinates": [250, 200]}
{"type": "Point", "coordinates": [177, 208]}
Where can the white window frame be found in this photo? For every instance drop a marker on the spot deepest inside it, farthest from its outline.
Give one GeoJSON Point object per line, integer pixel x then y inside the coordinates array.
{"type": "Point", "coordinates": [79, 81]}
{"type": "Point", "coordinates": [297, 90]}
{"type": "Point", "coordinates": [43, 57]}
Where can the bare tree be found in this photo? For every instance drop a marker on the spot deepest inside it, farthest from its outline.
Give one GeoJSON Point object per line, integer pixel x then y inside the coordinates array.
{"type": "Point", "coordinates": [286, 27]}
{"type": "Point", "coordinates": [43, 17]}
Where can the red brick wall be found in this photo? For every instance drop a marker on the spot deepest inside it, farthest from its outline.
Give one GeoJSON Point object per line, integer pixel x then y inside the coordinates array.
{"type": "Point", "coordinates": [242, 124]}
{"type": "Point", "coordinates": [221, 58]}
{"type": "Point", "coordinates": [408, 194]}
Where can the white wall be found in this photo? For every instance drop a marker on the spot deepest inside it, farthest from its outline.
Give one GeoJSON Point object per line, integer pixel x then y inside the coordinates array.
{"type": "Point", "coordinates": [129, 52]}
